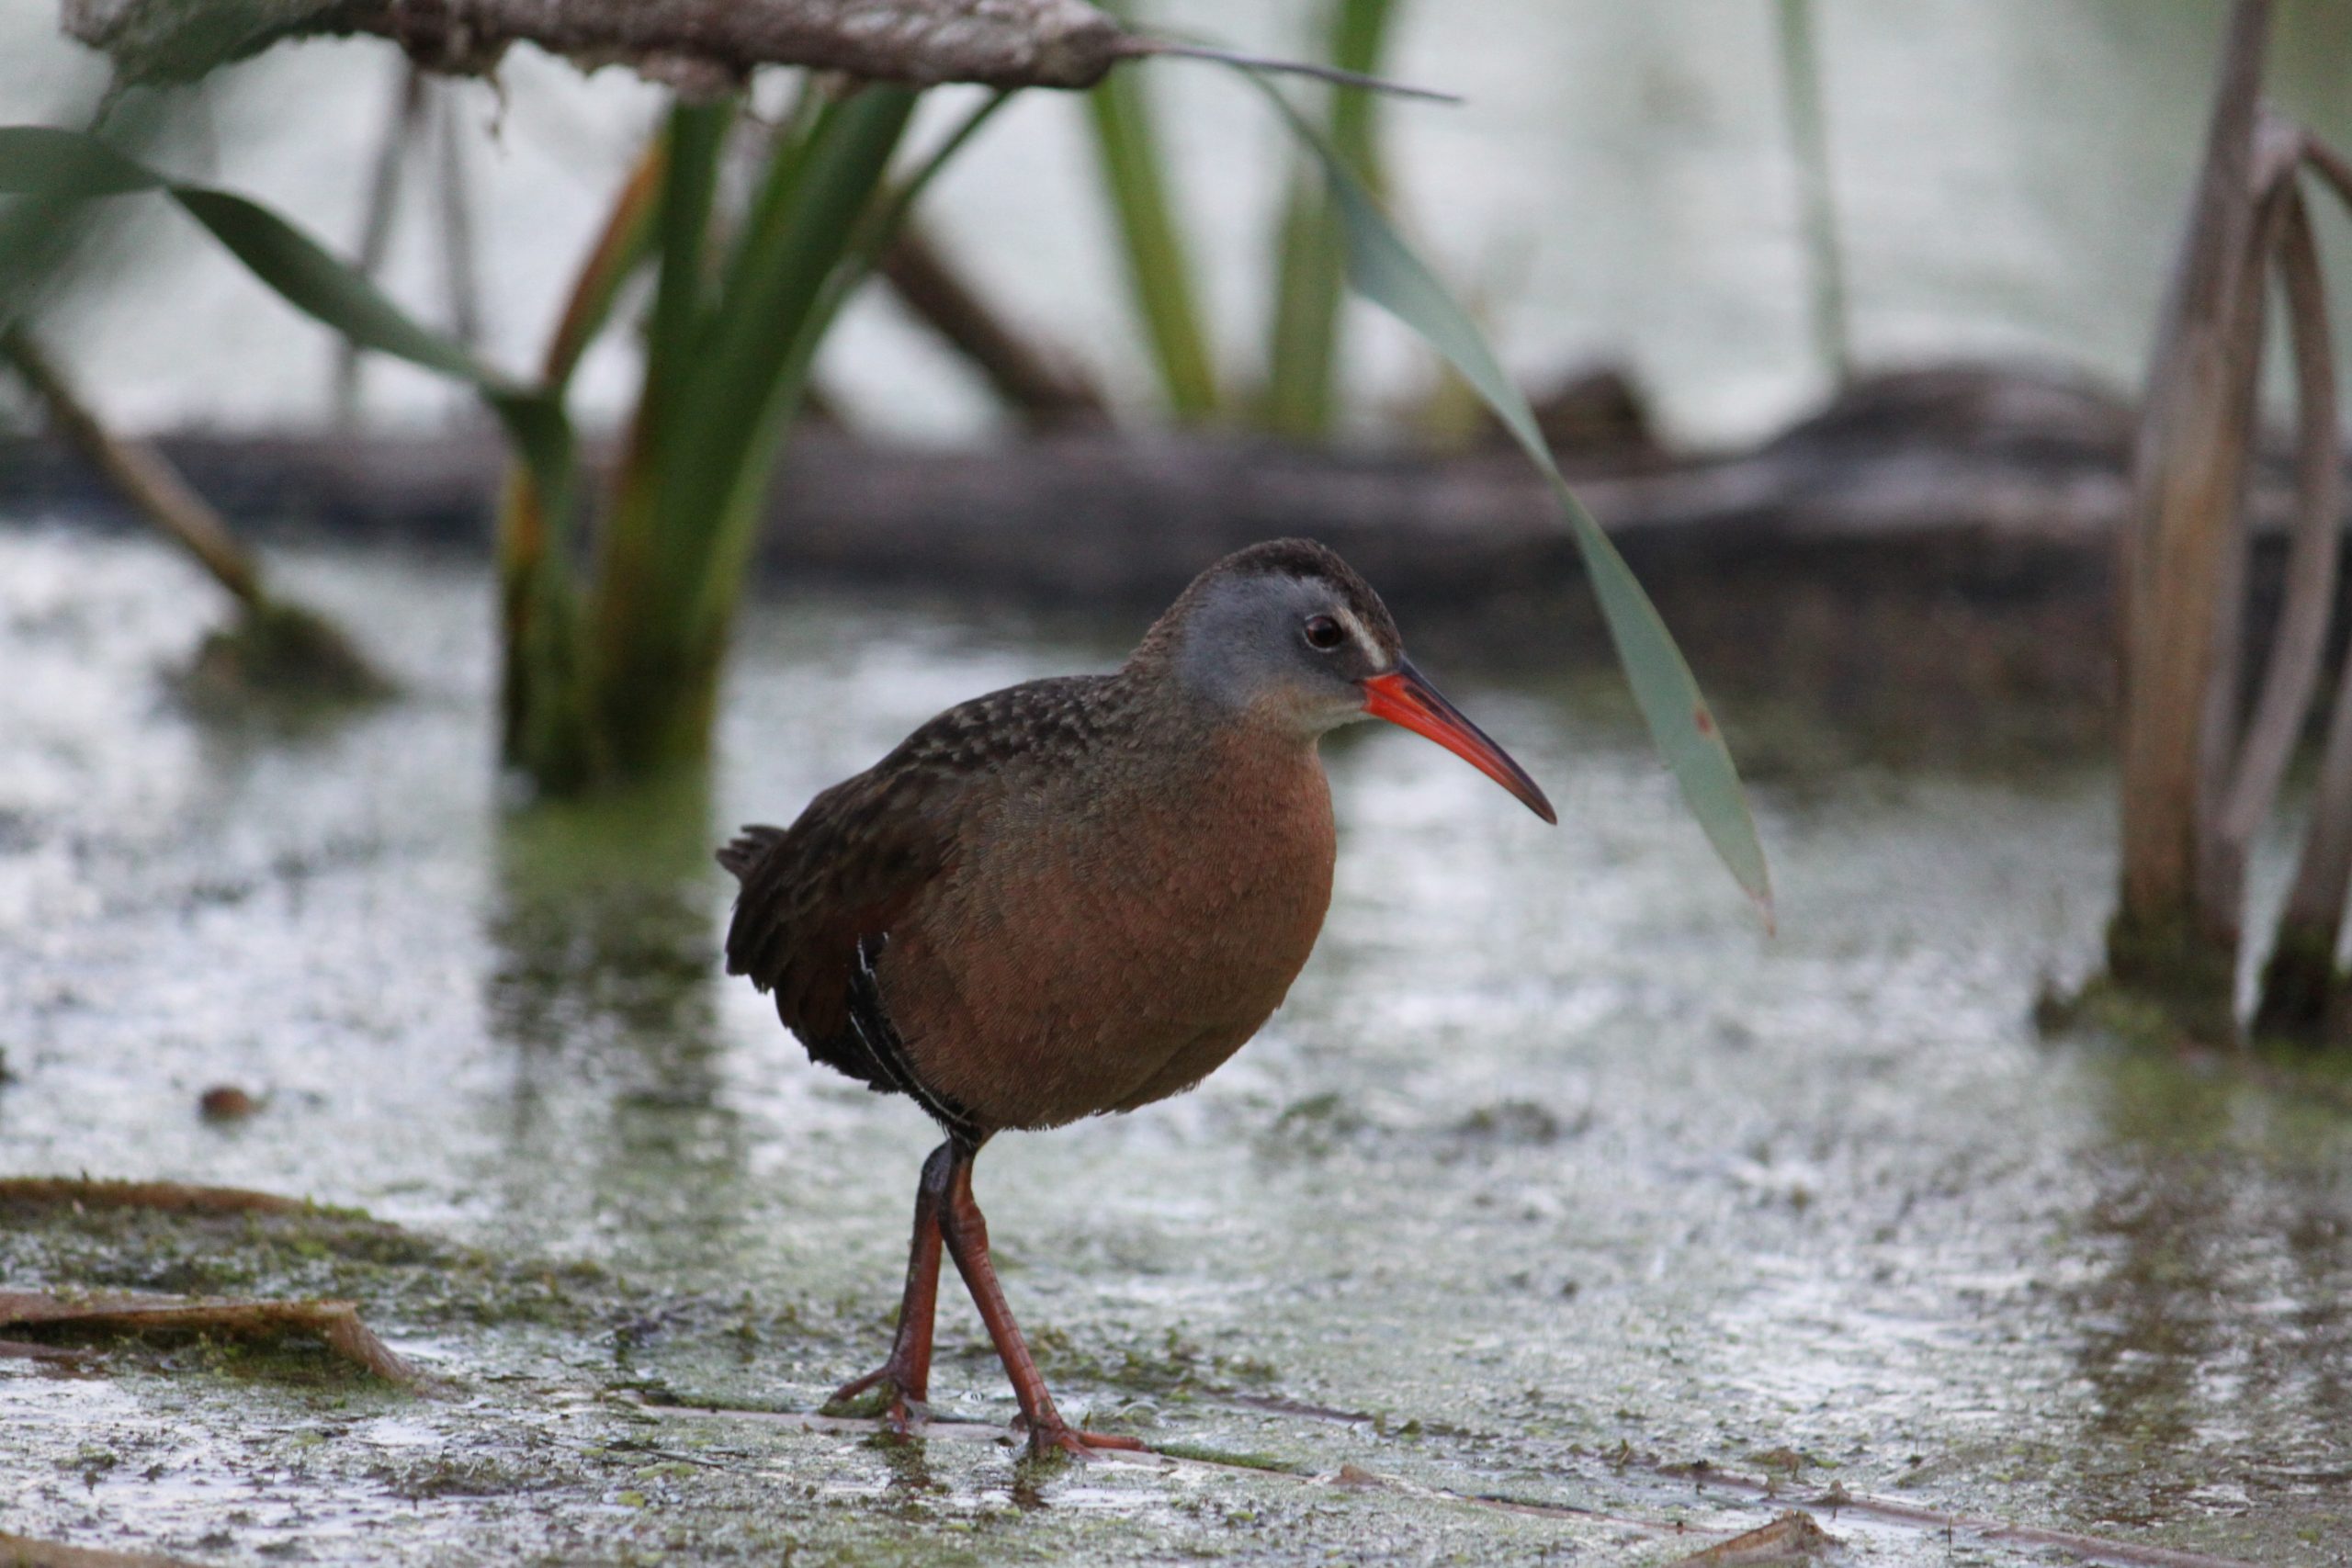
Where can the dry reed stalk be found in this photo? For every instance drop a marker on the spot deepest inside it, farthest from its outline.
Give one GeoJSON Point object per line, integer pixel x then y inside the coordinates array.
{"type": "Point", "coordinates": [2171, 936]}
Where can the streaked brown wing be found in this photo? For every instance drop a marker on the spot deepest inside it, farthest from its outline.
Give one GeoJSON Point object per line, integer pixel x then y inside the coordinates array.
{"type": "Point", "coordinates": [863, 851]}
{"type": "Point", "coordinates": [840, 875]}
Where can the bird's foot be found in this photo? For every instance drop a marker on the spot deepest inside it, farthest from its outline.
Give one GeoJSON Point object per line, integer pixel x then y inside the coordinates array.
{"type": "Point", "coordinates": [883, 1395]}
{"type": "Point", "coordinates": [1053, 1437]}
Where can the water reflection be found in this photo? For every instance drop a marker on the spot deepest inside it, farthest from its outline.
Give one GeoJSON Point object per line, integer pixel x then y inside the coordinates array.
{"type": "Point", "coordinates": [2212, 1318]}
{"type": "Point", "coordinates": [600, 923]}
{"type": "Point", "coordinates": [602, 979]}
{"type": "Point", "coordinates": [908, 1461]}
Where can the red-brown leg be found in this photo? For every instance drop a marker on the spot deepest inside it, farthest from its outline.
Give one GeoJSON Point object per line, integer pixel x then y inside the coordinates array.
{"type": "Point", "coordinates": [967, 1234]}
{"type": "Point", "coordinates": [905, 1376]}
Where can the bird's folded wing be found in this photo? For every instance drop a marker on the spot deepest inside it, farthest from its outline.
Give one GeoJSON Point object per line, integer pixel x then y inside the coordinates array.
{"type": "Point", "coordinates": [843, 874]}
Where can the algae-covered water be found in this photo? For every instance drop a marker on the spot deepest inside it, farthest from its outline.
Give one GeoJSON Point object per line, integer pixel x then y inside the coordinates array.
{"type": "Point", "coordinates": [1555, 1178]}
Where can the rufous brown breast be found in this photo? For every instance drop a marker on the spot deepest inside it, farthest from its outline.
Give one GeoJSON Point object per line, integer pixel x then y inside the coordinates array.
{"type": "Point", "coordinates": [1114, 926]}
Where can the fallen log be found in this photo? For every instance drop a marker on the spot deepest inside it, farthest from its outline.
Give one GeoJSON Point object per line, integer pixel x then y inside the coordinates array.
{"type": "Point", "coordinates": [1938, 530]}
{"type": "Point", "coordinates": [1932, 464]}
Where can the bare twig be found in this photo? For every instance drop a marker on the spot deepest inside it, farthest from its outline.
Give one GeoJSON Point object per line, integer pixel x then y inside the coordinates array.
{"type": "Point", "coordinates": [1792, 1538]}
{"type": "Point", "coordinates": [1029, 377]}
{"type": "Point", "coordinates": [710, 43]}
{"type": "Point", "coordinates": [140, 471]}
{"type": "Point", "coordinates": [2238, 782]}
{"type": "Point", "coordinates": [2332, 166]}
{"type": "Point", "coordinates": [2309, 581]}
{"type": "Point", "coordinates": [2299, 980]}
{"type": "Point", "coordinates": [457, 225]}
{"type": "Point", "coordinates": [376, 228]}
{"type": "Point", "coordinates": [419, 114]}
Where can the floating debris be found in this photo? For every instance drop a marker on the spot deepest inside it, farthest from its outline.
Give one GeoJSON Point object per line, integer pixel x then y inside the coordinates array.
{"type": "Point", "coordinates": [226, 1103]}
{"type": "Point", "coordinates": [1793, 1538]}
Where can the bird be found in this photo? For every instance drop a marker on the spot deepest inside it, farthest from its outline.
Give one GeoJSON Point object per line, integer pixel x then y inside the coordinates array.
{"type": "Point", "coordinates": [1078, 895]}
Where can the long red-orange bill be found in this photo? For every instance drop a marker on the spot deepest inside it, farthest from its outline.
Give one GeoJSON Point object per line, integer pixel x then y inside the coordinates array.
{"type": "Point", "coordinates": [1403, 696]}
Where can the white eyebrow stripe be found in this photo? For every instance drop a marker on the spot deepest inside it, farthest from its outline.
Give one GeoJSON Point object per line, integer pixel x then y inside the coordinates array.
{"type": "Point", "coordinates": [1355, 628]}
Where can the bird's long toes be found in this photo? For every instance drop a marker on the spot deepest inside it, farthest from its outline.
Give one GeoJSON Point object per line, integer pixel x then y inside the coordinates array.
{"type": "Point", "coordinates": [1046, 1442]}
{"type": "Point", "coordinates": [853, 1390]}
{"type": "Point", "coordinates": [1119, 1441]}
{"type": "Point", "coordinates": [880, 1395]}
{"type": "Point", "coordinates": [1079, 1443]}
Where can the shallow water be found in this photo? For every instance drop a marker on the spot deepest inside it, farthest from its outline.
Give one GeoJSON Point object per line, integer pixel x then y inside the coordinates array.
{"type": "Point", "coordinates": [1554, 1170]}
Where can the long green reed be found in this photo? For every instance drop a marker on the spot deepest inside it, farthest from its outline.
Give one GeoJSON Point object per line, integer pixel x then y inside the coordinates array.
{"type": "Point", "coordinates": [1384, 269]}
{"type": "Point", "coordinates": [1801, 101]}
{"type": "Point", "coordinates": [736, 312]}
{"type": "Point", "coordinates": [1160, 276]}
{"type": "Point", "coordinates": [1303, 346]}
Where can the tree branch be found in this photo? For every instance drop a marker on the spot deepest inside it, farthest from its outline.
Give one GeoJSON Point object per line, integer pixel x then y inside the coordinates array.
{"type": "Point", "coordinates": [697, 46]}
{"type": "Point", "coordinates": [1046, 43]}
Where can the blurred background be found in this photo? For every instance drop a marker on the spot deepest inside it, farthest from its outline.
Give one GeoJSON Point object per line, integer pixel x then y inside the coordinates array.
{"type": "Point", "coordinates": [1621, 187]}
{"type": "Point", "coordinates": [1559, 1180]}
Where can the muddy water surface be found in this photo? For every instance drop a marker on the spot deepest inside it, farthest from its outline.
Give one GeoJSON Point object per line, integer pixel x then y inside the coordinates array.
{"type": "Point", "coordinates": [1554, 1175]}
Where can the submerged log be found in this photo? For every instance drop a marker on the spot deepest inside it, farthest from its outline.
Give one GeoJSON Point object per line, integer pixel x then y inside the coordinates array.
{"type": "Point", "coordinates": [1988, 464]}
{"type": "Point", "coordinates": [1946, 529]}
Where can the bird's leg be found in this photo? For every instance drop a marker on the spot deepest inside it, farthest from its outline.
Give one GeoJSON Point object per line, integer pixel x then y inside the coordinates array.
{"type": "Point", "coordinates": [905, 1377]}
{"type": "Point", "coordinates": [967, 1234]}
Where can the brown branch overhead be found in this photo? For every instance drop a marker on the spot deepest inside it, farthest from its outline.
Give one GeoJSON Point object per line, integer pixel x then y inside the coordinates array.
{"type": "Point", "coordinates": [697, 46]}
{"type": "Point", "coordinates": [1002, 43]}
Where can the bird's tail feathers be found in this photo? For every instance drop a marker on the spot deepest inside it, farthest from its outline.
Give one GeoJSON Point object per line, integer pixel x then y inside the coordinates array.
{"type": "Point", "coordinates": [742, 856]}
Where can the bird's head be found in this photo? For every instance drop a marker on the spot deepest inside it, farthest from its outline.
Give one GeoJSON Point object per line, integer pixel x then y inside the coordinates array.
{"type": "Point", "coordinates": [1286, 633]}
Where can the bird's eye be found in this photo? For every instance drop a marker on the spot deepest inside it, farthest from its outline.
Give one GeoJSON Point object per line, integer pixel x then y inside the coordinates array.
{"type": "Point", "coordinates": [1324, 633]}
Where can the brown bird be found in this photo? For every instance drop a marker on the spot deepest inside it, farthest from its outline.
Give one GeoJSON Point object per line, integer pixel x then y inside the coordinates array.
{"type": "Point", "coordinates": [1079, 895]}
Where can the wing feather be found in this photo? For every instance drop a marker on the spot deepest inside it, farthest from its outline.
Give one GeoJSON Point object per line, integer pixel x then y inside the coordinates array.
{"type": "Point", "coordinates": [816, 894]}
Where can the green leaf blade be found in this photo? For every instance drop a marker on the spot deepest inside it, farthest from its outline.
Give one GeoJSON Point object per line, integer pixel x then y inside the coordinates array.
{"type": "Point", "coordinates": [1160, 276]}
{"type": "Point", "coordinates": [309, 278]}
{"type": "Point", "coordinates": [1385, 271]}
{"type": "Point", "coordinates": [45, 161]}
{"type": "Point", "coordinates": [61, 165]}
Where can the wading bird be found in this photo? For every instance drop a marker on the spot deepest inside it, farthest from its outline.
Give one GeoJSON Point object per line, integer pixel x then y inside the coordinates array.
{"type": "Point", "coordinates": [1079, 895]}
